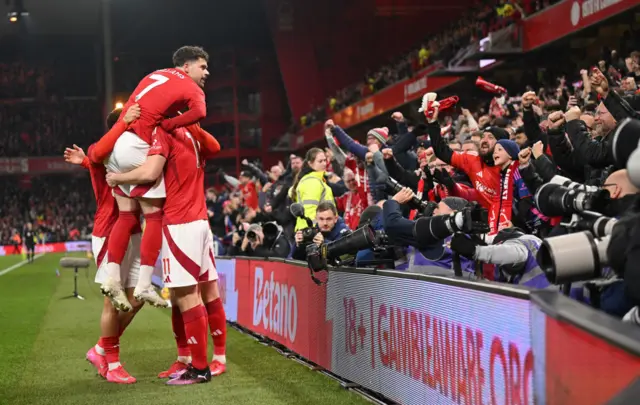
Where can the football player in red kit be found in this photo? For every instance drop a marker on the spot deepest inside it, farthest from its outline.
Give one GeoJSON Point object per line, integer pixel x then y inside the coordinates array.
{"type": "Point", "coordinates": [105, 355]}
{"type": "Point", "coordinates": [160, 94]}
{"type": "Point", "coordinates": [188, 264]}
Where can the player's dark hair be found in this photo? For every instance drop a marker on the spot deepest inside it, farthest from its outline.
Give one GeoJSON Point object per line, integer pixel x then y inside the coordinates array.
{"type": "Point", "coordinates": [113, 116]}
{"type": "Point", "coordinates": [189, 54]}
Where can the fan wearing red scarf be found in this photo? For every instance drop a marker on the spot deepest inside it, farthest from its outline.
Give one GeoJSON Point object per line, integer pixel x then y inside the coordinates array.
{"type": "Point", "coordinates": [505, 157]}
{"type": "Point", "coordinates": [484, 176]}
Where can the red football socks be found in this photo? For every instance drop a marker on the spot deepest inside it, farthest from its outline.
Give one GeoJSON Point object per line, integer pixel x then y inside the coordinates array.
{"type": "Point", "coordinates": [111, 345]}
{"type": "Point", "coordinates": [119, 238]}
{"type": "Point", "coordinates": [179, 333]}
{"type": "Point", "coordinates": [151, 239]}
{"type": "Point", "coordinates": [195, 327]}
{"type": "Point", "coordinates": [217, 325]}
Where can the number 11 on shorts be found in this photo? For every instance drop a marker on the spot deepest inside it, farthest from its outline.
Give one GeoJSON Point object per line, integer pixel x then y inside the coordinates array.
{"type": "Point", "coordinates": [165, 266]}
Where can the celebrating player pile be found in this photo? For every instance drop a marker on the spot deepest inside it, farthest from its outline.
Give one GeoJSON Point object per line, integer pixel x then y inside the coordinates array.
{"type": "Point", "coordinates": [161, 94]}
{"type": "Point", "coordinates": [187, 248]}
{"type": "Point", "coordinates": [186, 240]}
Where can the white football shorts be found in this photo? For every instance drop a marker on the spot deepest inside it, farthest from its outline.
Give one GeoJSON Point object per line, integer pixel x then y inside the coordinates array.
{"type": "Point", "coordinates": [187, 254]}
{"type": "Point", "coordinates": [130, 267]}
{"type": "Point", "coordinates": [130, 152]}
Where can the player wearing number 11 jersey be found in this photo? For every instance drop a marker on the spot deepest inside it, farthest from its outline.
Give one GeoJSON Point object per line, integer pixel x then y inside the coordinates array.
{"type": "Point", "coordinates": [187, 249]}
{"type": "Point", "coordinates": [160, 95]}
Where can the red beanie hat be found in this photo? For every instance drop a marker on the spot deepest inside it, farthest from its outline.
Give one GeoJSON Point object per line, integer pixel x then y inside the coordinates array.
{"type": "Point", "coordinates": [381, 134]}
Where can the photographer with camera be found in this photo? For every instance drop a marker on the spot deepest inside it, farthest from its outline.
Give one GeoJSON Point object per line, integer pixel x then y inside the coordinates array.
{"type": "Point", "coordinates": [512, 252]}
{"type": "Point", "coordinates": [430, 234]}
{"type": "Point", "coordinates": [260, 241]}
{"type": "Point", "coordinates": [329, 228]}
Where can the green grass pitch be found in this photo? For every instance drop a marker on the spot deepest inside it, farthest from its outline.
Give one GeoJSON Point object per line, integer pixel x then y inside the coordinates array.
{"type": "Point", "coordinates": [44, 338]}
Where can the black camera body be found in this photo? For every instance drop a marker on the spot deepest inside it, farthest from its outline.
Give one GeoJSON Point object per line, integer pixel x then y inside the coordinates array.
{"type": "Point", "coordinates": [308, 234]}
{"type": "Point", "coordinates": [241, 232]}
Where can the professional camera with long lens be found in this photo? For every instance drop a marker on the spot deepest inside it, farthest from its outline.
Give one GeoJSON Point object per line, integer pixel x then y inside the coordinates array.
{"type": "Point", "coordinates": [561, 197]}
{"type": "Point", "coordinates": [319, 257]}
{"type": "Point", "coordinates": [415, 202]}
{"type": "Point", "coordinates": [308, 233]}
{"type": "Point", "coordinates": [578, 256]}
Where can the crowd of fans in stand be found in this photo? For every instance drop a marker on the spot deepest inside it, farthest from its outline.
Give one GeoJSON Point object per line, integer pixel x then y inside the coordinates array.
{"type": "Point", "coordinates": [478, 21]}
{"type": "Point", "coordinates": [45, 128]}
{"type": "Point", "coordinates": [58, 207]}
{"type": "Point", "coordinates": [35, 119]}
{"type": "Point", "coordinates": [497, 156]}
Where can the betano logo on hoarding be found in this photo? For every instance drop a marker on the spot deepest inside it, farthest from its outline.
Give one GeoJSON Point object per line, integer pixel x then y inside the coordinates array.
{"type": "Point", "coordinates": [275, 305]}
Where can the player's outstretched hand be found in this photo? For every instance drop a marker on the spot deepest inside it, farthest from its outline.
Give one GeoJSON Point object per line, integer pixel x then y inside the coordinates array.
{"type": "Point", "coordinates": [74, 155]}
{"type": "Point", "coordinates": [132, 114]}
{"type": "Point", "coordinates": [112, 179]}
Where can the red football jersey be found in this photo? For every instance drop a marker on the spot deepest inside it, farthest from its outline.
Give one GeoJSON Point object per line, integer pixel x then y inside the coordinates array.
{"type": "Point", "coordinates": [183, 176]}
{"type": "Point", "coordinates": [161, 95]}
{"type": "Point", "coordinates": [106, 207]}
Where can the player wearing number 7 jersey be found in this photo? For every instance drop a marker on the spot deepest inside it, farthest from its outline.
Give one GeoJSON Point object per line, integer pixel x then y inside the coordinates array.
{"type": "Point", "coordinates": [161, 94]}
{"type": "Point", "coordinates": [187, 249]}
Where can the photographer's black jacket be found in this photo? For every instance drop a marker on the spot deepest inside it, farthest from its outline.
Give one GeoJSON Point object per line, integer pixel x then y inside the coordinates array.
{"type": "Point", "coordinates": [278, 248]}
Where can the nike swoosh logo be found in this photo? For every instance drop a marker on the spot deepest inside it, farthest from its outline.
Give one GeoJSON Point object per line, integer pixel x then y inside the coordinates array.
{"type": "Point", "coordinates": [123, 378]}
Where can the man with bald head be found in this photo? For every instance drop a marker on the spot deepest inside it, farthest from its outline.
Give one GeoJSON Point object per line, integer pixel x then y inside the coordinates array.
{"type": "Point", "coordinates": [622, 193]}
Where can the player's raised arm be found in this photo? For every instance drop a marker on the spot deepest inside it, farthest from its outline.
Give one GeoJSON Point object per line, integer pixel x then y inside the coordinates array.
{"type": "Point", "coordinates": [101, 149]}
{"type": "Point", "coordinates": [210, 145]}
{"type": "Point", "coordinates": [76, 156]}
{"type": "Point", "coordinates": [197, 111]}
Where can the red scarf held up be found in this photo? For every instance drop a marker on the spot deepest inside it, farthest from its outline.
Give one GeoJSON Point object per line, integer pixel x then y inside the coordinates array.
{"type": "Point", "coordinates": [443, 105]}
{"type": "Point", "coordinates": [501, 209]}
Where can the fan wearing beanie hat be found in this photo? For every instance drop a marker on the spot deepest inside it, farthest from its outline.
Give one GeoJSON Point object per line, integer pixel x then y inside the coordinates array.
{"type": "Point", "coordinates": [378, 134]}
{"type": "Point", "coordinates": [513, 192]}
{"type": "Point", "coordinates": [504, 152]}
{"type": "Point", "coordinates": [489, 137]}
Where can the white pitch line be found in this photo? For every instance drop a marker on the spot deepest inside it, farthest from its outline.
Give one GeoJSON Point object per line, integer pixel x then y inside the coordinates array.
{"type": "Point", "coordinates": [18, 265]}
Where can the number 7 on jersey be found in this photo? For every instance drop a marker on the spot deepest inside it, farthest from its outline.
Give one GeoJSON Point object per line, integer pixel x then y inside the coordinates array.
{"type": "Point", "coordinates": [157, 81]}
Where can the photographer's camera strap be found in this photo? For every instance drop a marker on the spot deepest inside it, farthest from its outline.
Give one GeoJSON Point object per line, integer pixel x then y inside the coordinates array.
{"type": "Point", "coordinates": [316, 280]}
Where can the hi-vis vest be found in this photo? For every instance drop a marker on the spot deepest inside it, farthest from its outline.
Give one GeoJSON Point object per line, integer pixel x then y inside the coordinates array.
{"type": "Point", "coordinates": [312, 190]}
